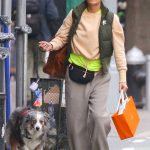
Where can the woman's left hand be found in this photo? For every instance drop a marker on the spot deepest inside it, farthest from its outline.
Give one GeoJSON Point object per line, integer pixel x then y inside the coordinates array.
{"type": "Point", "coordinates": [123, 86]}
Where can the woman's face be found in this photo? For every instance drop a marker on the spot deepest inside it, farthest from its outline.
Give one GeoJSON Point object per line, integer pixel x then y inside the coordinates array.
{"type": "Point", "coordinates": [93, 2]}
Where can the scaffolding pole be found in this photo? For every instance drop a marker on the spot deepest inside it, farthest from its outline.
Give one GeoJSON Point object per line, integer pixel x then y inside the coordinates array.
{"type": "Point", "coordinates": [20, 49]}
{"type": "Point", "coordinates": [1, 92]}
{"type": "Point", "coordinates": [6, 11]}
{"type": "Point", "coordinates": [2, 64]}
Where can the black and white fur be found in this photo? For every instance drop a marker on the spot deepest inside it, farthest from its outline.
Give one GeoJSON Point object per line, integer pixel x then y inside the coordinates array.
{"type": "Point", "coordinates": [27, 129]}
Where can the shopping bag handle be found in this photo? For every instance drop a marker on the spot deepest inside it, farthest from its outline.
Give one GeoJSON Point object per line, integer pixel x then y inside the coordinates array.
{"type": "Point", "coordinates": [122, 98]}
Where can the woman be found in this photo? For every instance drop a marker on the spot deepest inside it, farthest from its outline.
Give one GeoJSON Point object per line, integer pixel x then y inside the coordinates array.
{"type": "Point", "coordinates": [91, 33]}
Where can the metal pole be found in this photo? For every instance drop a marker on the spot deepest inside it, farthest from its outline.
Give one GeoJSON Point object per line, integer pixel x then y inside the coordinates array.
{"type": "Point", "coordinates": [2, 76]}
{"type": "Point", "coordinates": [5, 66]}
{"type": "Point", "coordinates": [25, 69]}
{"type": "Point", "coordinates": [6, 10]}
{"type": "Point", "coordinates": [148, 81]}
{"type": "Point", "coordinates": [1, 91]}
{"type": "Point", "coordinates": [20, 22]}
{"type": "Point", "coordinates": [7, 78]}
{"type": "Point", "coordinates": [2, 64]}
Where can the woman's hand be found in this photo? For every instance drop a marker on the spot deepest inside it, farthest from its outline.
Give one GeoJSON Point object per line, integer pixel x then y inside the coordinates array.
{"type": "Point", "coordinates": [123, 86]}
{"type": "Point", "coordinates": [45, 46]}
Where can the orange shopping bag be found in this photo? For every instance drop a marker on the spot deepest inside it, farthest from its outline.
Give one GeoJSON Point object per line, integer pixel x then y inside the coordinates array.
{"type": "Point", "coordinates": [126, 119]}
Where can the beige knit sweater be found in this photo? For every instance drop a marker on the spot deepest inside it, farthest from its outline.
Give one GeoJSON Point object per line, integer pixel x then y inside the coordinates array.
{"type": "Point", "coordinates": [86, 42]}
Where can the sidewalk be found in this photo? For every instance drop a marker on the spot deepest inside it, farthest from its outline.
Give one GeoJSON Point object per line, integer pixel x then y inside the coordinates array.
{"type": "Point", "coordinates": [141, 141]}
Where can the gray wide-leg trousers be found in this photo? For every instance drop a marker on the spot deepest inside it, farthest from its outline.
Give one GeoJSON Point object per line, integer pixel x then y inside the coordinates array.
{"type": "Point", "coordinates": [88, 122]}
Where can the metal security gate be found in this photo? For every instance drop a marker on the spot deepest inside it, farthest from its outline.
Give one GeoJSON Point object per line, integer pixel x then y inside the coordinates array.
{"type": "Point", "coordinates": [52, 90]}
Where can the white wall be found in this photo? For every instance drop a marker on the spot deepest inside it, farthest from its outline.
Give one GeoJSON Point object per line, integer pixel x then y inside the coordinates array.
{"type": "Point", "coordinates": [111, 4]}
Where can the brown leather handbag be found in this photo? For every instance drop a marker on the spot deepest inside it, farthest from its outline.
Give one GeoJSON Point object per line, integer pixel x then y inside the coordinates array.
{"type": "Point", "coordinates": [55, 65]}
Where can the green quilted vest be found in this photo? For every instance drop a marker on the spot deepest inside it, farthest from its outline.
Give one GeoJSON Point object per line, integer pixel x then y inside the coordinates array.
{"type": "Point", "coordinates": [105, 33]}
